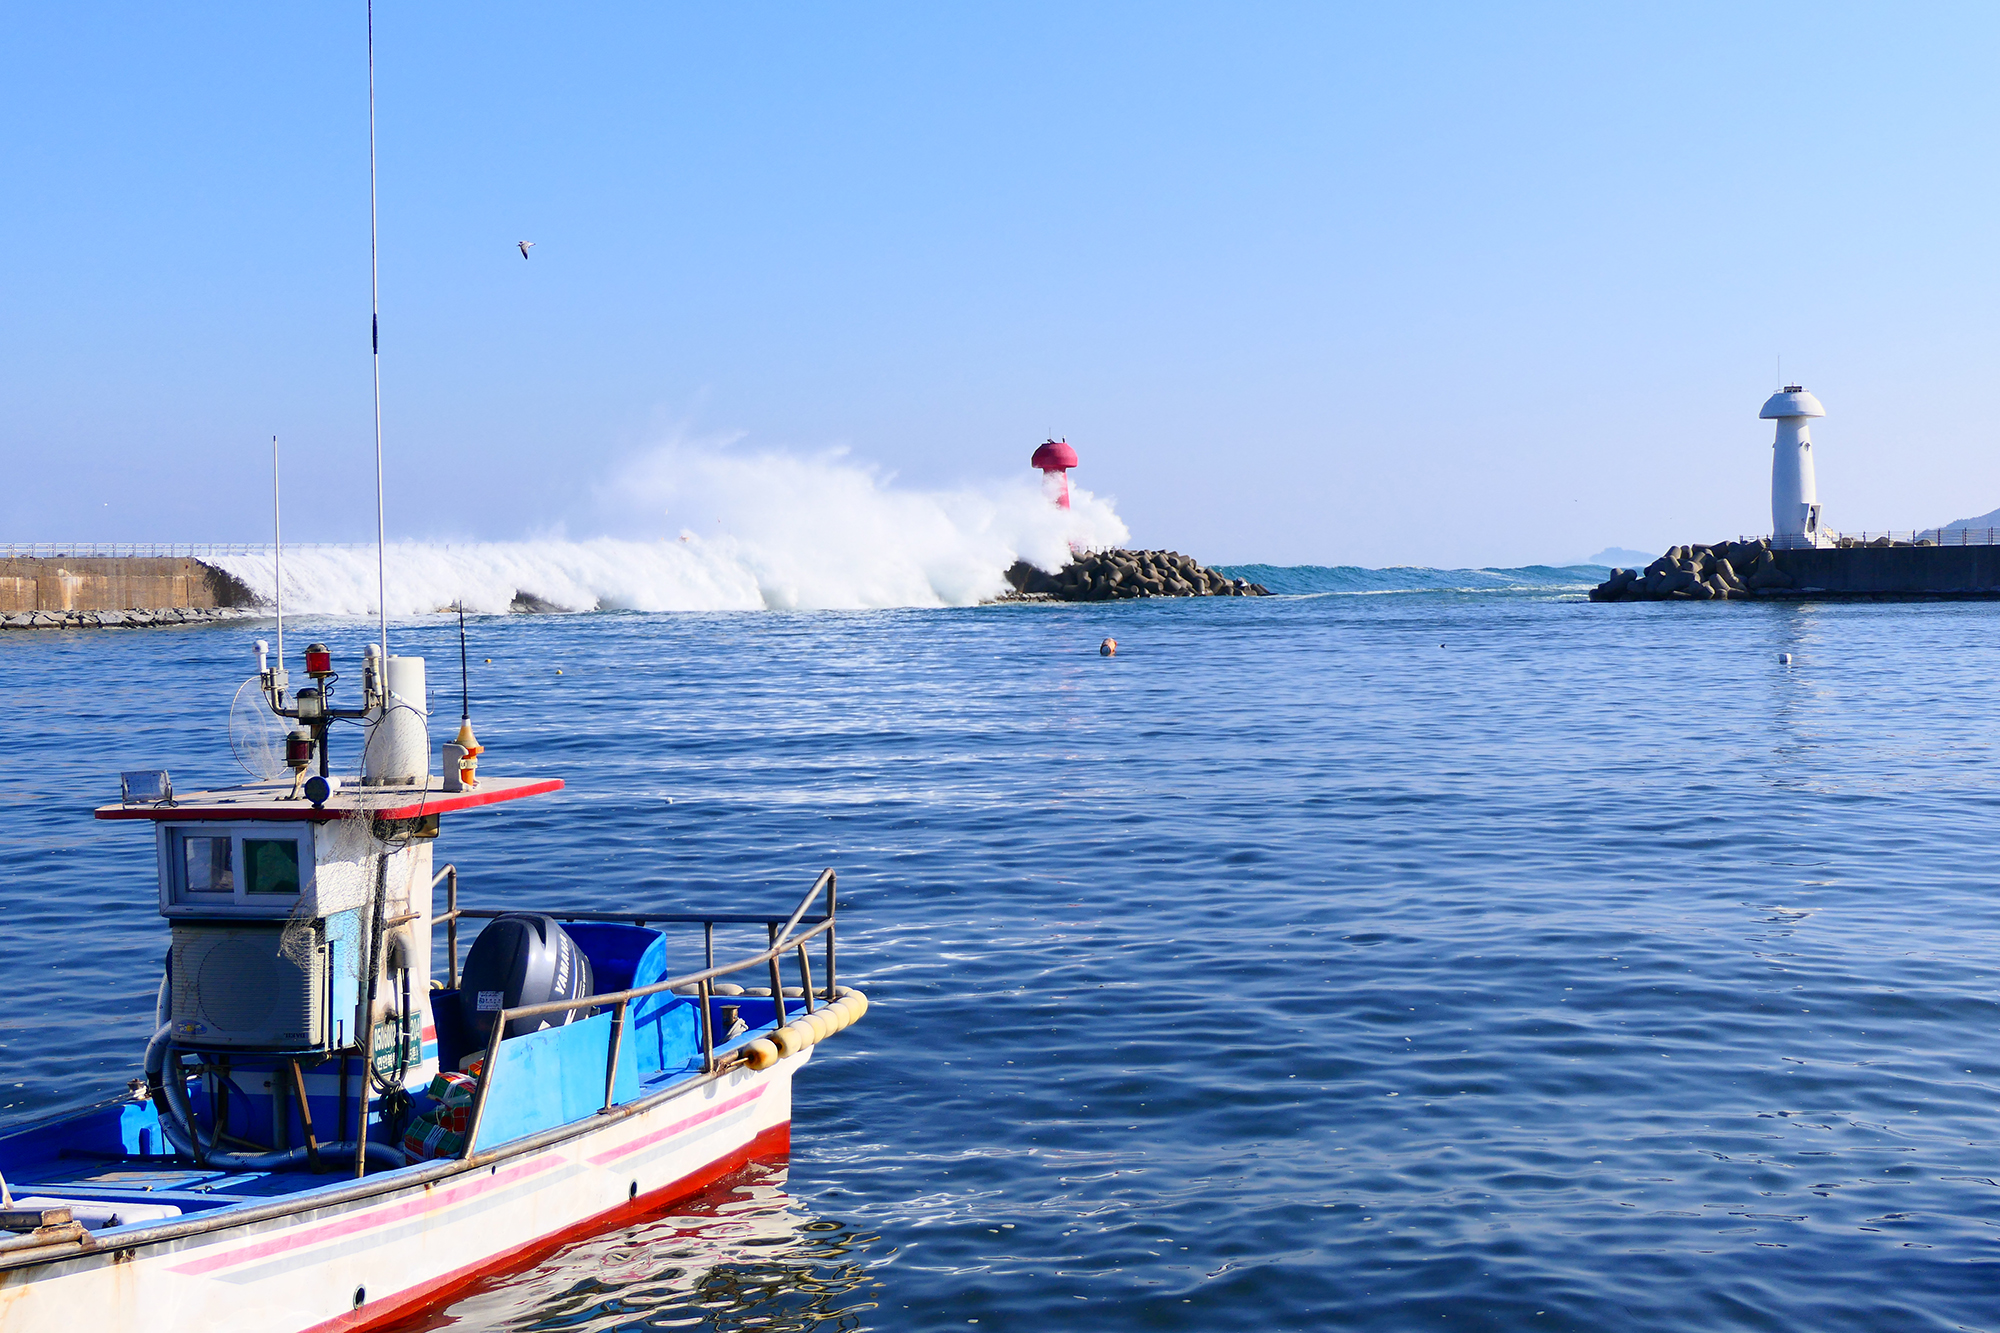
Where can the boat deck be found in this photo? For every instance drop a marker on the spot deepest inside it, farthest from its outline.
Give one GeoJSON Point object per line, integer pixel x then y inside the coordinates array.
{"type": "Point", "coordinates": [71, 1159]}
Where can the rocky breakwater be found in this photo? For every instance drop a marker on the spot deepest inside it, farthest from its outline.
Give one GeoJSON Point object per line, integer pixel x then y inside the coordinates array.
{"type": "Point", "coordinates": [1726, 571]}
{"type": "Point", "coordinates": [1106, 576]}
{"type": "Point", "coordinates": [187, 615]}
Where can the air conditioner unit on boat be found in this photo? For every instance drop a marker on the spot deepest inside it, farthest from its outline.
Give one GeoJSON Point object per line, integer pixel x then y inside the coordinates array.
{"type": "Point", "coordinates": [234, 986]}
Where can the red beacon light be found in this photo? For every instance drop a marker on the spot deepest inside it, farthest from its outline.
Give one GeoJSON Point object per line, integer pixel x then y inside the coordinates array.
{"type": "Point", "coordinates": [1055, 458]}
{"type": "Point", "coordinates": [319, 661]}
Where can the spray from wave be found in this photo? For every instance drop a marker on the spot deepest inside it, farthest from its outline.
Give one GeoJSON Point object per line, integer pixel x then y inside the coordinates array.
{"type": "Point", "coordinates": [710, 529]}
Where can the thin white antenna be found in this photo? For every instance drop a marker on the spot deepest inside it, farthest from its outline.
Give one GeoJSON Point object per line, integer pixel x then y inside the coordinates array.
{"type": "Point", "coordinates": [277, 553]}
{"type": "Point", "coordinates": [375, 340]}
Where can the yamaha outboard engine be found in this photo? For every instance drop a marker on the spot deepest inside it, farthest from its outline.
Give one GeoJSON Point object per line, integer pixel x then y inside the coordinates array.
{"type": "Point", "coordinates": [521, 959]}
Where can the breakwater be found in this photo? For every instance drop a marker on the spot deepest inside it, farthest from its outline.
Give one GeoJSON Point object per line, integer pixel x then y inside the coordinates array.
{"type": "Point", "coordinates": [1742, 570]}
{"type": "Point", "coordinates": [183, 615]}
{"type": "Point", "coordinates": [1104, 576]}
{"type": "Point", "coordinates": [58, 586]}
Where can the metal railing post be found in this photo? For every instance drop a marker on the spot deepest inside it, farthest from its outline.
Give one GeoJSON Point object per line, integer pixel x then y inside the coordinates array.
{"type": "Point", "coordinates": [706, 994]}
{"type": "Point", "coordinates": [777, 978]}
{"type": "Point", "coordinates": [806, 977]}
{"type": "Point", "coordinates": [617, 1043]}
{"type": "Point", "coordinates": [487, 1069]}
{"type": "Point", "coordinates": [451, 924]}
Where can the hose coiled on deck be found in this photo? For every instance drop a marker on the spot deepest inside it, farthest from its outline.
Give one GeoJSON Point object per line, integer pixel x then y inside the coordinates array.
{"type": "Point", "coordinates": [169, 1094]}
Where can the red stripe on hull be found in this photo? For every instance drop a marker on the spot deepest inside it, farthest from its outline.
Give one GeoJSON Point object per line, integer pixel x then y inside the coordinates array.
{"type": "Point", "coordinates": [773, 1144]}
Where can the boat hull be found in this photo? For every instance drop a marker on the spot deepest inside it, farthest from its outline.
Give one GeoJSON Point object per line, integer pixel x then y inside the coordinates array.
{"type": "Point", "coordinates": [364, 1262]}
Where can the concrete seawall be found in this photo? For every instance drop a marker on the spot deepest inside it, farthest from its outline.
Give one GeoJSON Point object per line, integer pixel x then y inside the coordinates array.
{"type": "Point", "coordinates": [61, 584]}
{"type": "Point", "coordinates": [1737, 570]}
{"type": "Point", "coordinates": [1893, 571]}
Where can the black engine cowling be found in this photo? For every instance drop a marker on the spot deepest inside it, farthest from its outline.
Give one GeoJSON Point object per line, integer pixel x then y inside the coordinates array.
{"type": "Point", "coordinates": [519, 959]}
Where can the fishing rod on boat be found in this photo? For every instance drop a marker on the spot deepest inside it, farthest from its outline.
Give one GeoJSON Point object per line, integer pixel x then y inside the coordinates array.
{"type": "Point", "coordinates": [461, 756]}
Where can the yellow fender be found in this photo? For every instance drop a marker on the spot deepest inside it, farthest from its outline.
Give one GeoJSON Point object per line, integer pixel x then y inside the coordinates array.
{"type": "Point", "coordinates": [807, 1029]}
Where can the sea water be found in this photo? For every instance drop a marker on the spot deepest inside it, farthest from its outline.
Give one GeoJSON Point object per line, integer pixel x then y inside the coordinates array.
{"type": "Point", "coordinates": [1479, 959]}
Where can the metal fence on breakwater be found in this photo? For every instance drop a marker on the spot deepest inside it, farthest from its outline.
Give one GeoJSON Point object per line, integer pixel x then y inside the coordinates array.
{"type": "Point", "coordinates": [1893, 537]}
{"type": "Point", "coordinates": [159, 550]}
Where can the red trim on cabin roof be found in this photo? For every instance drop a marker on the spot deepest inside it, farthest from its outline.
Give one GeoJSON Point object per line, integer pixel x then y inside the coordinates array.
{"type": "Point", "coordinates": [441, 804]}
{"type": "Point", "coordinates": [436, 801]}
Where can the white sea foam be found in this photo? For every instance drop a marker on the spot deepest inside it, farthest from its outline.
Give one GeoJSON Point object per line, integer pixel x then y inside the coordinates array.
{"type": "Point", "coordinates": [728, 531]}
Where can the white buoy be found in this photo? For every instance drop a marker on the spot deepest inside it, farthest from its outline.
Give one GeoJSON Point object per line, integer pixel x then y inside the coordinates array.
{"type": "Point", "coordinates": [1794, 490]}
{"type": "Point", "coordinates": [1784, 659]}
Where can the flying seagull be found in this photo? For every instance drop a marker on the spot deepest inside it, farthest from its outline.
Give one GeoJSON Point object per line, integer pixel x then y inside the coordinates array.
{"type": "Point", "coordinates": [524, 247]}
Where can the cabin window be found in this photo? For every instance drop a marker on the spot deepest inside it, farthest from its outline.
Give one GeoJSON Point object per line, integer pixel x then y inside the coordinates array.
{"type": "Point", "coordinates": [271, 865]}
{"type": "Point", "coordinates": [255, 869]}
{"type": "Point", "coordinates": [206, 866]}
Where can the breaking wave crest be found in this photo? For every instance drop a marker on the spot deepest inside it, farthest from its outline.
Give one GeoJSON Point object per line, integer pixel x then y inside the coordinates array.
{"type": "Point", "coordinates": [755, 531]}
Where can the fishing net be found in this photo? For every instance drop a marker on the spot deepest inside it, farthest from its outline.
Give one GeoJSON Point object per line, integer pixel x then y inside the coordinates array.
{"type": "Point", "coordinates": [256, 734]}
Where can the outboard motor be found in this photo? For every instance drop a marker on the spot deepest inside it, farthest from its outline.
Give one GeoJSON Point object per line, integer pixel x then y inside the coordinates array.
{"type": "Point", "coordinates": [521, 958]}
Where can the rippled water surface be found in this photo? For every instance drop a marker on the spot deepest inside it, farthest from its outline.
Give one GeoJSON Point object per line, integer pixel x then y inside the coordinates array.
{"type": "Point", "coordinates": [1422, 960]}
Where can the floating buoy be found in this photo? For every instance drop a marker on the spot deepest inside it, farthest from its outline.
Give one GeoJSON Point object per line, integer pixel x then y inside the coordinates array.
{"type": "Point", "coordinates": [1109, 648]}
{"type": "Point", "coordinates": [558, 671]}
{"type": "Point", "coordinates": [1784, 659]}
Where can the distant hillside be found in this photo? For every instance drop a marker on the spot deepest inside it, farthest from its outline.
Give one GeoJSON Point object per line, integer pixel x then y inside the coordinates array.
{"type": "Point", "coordinates": [1981, 524]}
{"type": "Point", "coordinates": [1620, 555]}
{"type": "Point", "coordinates": [1991, 520]}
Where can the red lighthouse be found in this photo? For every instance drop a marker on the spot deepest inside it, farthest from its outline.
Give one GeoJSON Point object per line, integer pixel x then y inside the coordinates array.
{"type": "Point", "coordinates": [1055, 458]}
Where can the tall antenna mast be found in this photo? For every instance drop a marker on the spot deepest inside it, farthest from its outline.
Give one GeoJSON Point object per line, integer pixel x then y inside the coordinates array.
{"type": "Point", "coordinates": [375, 340]}
{"type": "Point", "coordinates": [277, 552]}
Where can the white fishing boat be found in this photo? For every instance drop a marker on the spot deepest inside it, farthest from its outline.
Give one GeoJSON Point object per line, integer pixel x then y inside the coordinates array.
{"type": "Point", "coordinates": [273, 1172]}
{"type": "Point", "coordinates": [329, 1134]}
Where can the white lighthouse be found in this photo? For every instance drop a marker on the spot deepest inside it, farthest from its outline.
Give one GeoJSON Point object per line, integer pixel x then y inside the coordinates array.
{"type": "Point", "coordinates": [1794, 497]}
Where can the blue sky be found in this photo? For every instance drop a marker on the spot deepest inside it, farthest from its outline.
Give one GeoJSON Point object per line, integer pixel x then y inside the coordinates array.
{"type": "Point", "coordinates": [1302, 283]}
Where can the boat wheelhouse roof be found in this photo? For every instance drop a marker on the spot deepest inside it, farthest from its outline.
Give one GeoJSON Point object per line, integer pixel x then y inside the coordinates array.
{"type": "Point", "coordinates": [272, 801]}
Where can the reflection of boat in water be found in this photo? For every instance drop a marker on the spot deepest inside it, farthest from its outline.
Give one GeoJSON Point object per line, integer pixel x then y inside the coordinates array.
{"type": "Point", "coordinates": [323, 1161]}
{"type": "Point", "coordinates": [740, 1253]}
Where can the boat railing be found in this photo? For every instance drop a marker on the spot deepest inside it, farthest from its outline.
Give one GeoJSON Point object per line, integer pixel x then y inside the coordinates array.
{"type": "Point", "coordinates": [785, 935]}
